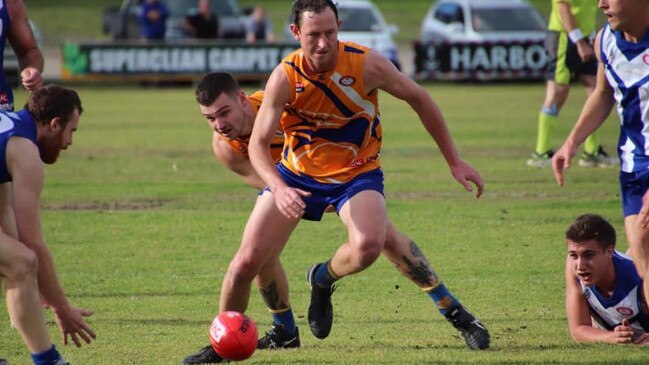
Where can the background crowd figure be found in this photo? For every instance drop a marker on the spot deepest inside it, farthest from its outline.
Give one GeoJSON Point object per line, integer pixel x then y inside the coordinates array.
{"type": "Point", "coordinates": [200, 22]}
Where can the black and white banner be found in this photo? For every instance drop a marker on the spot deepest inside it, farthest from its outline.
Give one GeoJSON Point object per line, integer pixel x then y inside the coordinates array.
{"type": "Point", "coordinates": [523, 60]}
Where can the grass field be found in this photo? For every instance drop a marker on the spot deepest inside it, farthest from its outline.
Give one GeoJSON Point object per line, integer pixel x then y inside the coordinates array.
{"type": "Point", "coordinates": [142, 223]}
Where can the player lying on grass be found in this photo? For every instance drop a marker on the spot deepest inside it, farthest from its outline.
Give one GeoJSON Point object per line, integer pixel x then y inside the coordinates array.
{"type": "Point", "coordinates": [604, 301]}
{"type": "Point", "coordinates": [231, 115]}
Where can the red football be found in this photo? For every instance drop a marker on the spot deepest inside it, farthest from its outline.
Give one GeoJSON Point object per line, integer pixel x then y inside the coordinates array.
{"type": "Point", "coordinates": [233, 335]}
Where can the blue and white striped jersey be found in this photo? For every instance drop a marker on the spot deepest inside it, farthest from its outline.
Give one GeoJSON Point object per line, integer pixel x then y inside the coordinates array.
{"type": "Point", "coordinates": [626, 301]}
{"type": "Point", "coordinates": [627, 70]}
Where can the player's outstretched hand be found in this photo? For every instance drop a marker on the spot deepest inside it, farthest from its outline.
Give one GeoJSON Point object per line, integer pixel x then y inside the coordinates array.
{"type": "Point", "coordinates": [464, 174]}
{"type": "Point", "coordinates": [31, 78]}
{"type": "Point", "coordinates": [561, 161]}
{"type": "Point", "coordinates": [289, 201]}
{"type": "Point", "coordinates": [622, 333]}
{"type": "Point", "coordinates": [72, 323]}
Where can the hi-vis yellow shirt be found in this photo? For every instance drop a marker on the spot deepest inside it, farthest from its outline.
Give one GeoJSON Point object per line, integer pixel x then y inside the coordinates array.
{"type": "Point", "coordinates": [332, 128]}
{"type": "Point", "coordinates": [240, 145]}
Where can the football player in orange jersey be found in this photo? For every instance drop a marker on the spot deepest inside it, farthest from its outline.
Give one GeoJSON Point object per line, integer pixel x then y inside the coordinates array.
{"type": "Point", "coordinates": [231, 116]}
{"type": "Point", "coordinates": [325, 95]}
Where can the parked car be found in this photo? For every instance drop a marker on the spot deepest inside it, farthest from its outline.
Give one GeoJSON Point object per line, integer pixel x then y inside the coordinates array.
{"type": "Point", "coordinates": [482, 21]}
{"type": "Point", "coordinates": [121, 23]}
{"type": "Point", "coordinates": [363, 23]}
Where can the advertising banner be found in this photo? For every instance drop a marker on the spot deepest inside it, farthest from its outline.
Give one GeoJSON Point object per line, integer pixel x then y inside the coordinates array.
{"type": "Point", "coordinates": [168, 61]}
{"type": "Point", "coordinates": [524, 60]}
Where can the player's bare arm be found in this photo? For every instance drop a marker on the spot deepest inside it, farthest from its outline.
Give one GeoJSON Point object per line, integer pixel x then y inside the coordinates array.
{"type": "Point", "coordinates": [382, 74]}
{"type": "Point", "coordinates": [288, 200]}
{"type": "Point", "coordinates": [584, 49]}
{"type": "Point", "coordinates": [22, 40]}
{"type": "Point", "coordinates": [579, 320]}
{"type": "Point", "coordinates": [595, 111]}
{"type": "Point", "coordinates": [236, 162]}
{"type": "Point", "coordinates": [27, 171]}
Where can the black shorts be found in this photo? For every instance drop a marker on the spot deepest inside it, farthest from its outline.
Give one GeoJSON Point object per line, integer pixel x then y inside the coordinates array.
{"type": "Point", "coordinates": [564, 63]}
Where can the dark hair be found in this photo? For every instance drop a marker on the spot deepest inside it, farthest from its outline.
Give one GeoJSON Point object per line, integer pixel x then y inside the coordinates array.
{"type": "Point", "coordinates": [314, 6]}
{"type": "Point", "coordinates": [592, 227]}
{"type": "Point", "coordinates": [213, 85]}
{"type": "Point", "coordinates": [53, 101]}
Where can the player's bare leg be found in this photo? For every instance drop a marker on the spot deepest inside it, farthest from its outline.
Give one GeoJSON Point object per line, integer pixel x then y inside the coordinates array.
{"type": "Point", "coordinates": [366, 219]}
{"type": "Point", "coordinates": [638, 238]}
{"type": "Point", "coordinates": [263, 239]}
{"type": "Point", "coordinates": [410, 261]}
{"type": "Point", "coordinates": [19, 266]}
{"type": "Point", "coordinates": [273, 287]}
{"type": "Point", "coordinates": [265, 235]}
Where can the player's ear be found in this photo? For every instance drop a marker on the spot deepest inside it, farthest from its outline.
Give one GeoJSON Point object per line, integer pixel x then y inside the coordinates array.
{"type": "Point", "coordinates": [242, 95]}
{"type": "Point", "coordinates": [55, 124]}
{"type": "Point", "coordinates": [295, 30]}
{"type": "Point", "coordinates": [609, 250]}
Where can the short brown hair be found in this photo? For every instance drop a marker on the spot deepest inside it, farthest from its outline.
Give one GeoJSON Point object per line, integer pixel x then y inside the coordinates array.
{"type": "Point", "coordinates": [592, 227]}
{"type": "Point", "coordinates": [213, 85]}
{"type": "Point", "coordinates": [53, 101]}
{"type": "Point", "coordinates": [315, 6]}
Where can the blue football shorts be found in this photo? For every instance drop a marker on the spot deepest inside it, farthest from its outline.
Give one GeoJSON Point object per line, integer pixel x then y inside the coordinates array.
{"type": "Point", "coordinates": [633, 186]}
{"type": "Point", "coordinates": [324, 195]}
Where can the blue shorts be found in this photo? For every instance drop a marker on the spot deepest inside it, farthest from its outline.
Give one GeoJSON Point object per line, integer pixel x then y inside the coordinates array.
{"type": "Point", "coordinates": [324, 195]}
{"type": "Point", "coordinates": [633, 186]}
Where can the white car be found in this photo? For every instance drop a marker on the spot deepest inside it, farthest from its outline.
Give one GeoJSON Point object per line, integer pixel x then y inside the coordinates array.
{"type": "Point", "coordinates": [363, 23]}
{"type": "Point", "coordinates": [482, 21]}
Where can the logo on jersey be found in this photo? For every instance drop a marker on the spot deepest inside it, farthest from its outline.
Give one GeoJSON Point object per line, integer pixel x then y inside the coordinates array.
{"type": "Point", "coordinates": [299, 87]}
{"type": "Point", "coordinates": [347, 81]}
{"type": "Point", "coordinates": [4, 98]}
{"type": "Point", "coordinates": [645, 59]}
{"type": "Point", "coordinates": [625, 311]}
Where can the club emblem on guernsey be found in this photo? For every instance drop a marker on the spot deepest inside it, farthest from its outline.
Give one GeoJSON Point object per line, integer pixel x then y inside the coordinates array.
{"type": "Point", "coordinates": [625, 311]}
{"type": "Point", "coordinates": [347, 80]}
{"type": "Point", "coordinates": [299, 87]}
{"type": "Point", "coordinates": [645, 59]}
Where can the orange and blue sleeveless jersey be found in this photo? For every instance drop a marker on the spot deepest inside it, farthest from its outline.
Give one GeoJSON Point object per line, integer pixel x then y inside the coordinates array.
{"type": "Point", "coordinates": [332, 128]}
{"type": "Point", "coordinates": [240, 145]}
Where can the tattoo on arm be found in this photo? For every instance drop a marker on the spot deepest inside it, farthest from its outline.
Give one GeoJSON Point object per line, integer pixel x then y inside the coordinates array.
{"type": "Point", "coordinates": [271, 297]}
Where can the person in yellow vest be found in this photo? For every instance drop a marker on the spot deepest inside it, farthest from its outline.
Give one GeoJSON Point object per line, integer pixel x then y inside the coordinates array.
{"type": "Point", "coordinates": [571, 30]}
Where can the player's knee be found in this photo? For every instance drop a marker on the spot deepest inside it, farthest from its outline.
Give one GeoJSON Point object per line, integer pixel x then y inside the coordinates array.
{"type": "Point", "coordinates": [23, 267]}
{"type": "Point", "coordinates": [368, 251]}
{"type": "Point", "coordinates": [244, 268]}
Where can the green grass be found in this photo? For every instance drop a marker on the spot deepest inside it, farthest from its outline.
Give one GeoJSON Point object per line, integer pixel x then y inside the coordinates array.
{"type": "Point", "coordinates": [142, 222]}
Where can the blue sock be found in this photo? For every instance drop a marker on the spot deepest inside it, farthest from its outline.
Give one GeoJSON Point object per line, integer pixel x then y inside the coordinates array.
{"type": "Point", "coordinates": [286, 320]}
{"type": "Point", "coordinates": [323, 277]}
{"type": "Point", "coordinates": [49, 357]}
{"type": "Point", "coordinates": [442, 298]}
